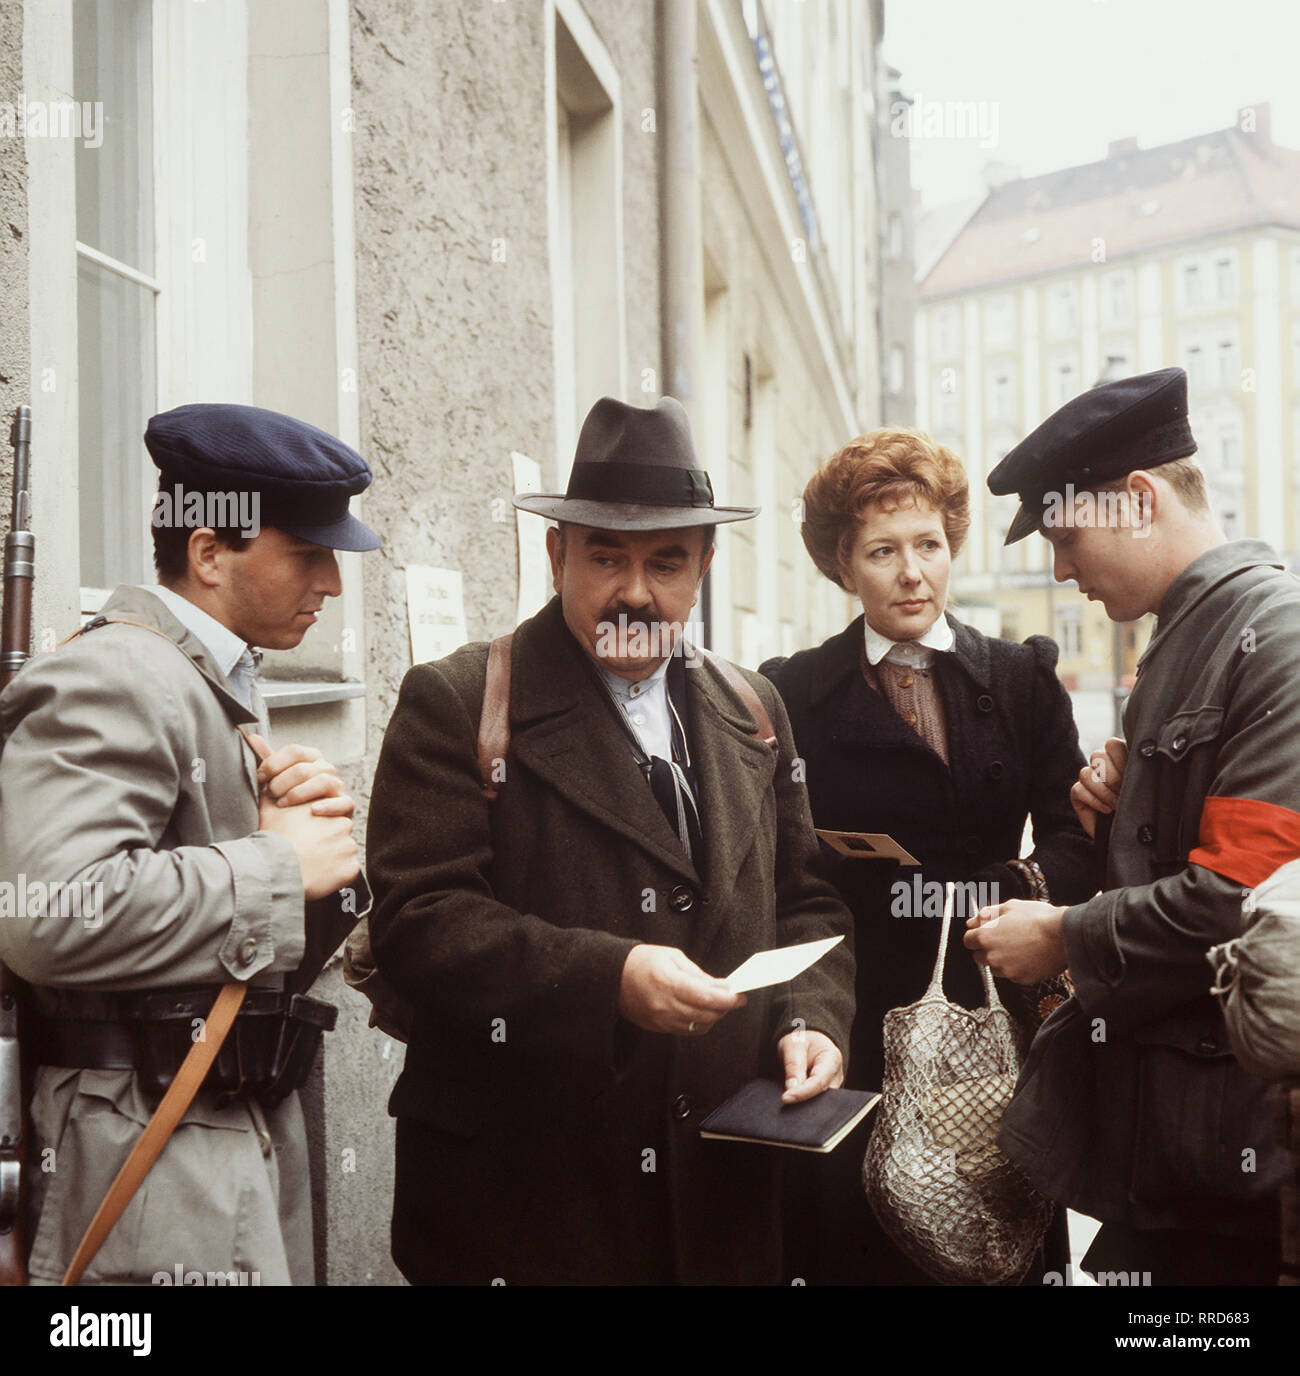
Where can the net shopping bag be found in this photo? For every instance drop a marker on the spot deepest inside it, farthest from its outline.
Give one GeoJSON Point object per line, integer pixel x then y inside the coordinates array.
{"type": "Point", "coordinates": [941, 1188]}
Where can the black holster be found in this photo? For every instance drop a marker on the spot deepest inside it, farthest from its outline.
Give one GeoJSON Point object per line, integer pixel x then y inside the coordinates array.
{"type": "Point", "coordinates": [267, 1054]}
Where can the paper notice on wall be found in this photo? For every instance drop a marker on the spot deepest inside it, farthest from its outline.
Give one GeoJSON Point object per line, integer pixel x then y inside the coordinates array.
{"type": "Point", "coordinates": [534, 566]}
{"type": "Point", "coordinates": [435, 608]}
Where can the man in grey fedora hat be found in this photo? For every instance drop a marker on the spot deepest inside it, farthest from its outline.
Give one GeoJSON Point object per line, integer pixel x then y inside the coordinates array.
{"type": "Point", "coordinates": [563, 946]}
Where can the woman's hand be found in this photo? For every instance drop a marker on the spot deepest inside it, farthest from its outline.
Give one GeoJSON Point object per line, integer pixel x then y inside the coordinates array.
{"type": "Point", "coordinates": [1097, 790]}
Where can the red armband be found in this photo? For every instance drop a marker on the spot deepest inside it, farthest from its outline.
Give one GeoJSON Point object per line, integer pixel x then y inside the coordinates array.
{"type": "Point", "coordinates": [1246, 840]}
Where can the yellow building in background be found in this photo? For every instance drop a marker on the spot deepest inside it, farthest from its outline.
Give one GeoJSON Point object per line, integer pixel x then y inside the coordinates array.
{"type": "Point", "coordinates": [1185, 254]}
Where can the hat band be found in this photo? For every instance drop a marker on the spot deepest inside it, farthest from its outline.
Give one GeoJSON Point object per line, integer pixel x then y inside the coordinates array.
{"type": "Point", "coordinates": [1172, 440]}
{"type": "Point", "coordinates": [645, 484]}
{"type": "Point", "coordinates": [1167, 442]}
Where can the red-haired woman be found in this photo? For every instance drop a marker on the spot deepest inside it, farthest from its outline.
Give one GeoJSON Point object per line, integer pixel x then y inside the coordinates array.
{"type": "Point", "coordinates": [914, 724]}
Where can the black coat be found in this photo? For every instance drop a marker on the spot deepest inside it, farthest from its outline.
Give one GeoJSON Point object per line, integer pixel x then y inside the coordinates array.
{"type": "Point", "coordinates": [1014, 753]}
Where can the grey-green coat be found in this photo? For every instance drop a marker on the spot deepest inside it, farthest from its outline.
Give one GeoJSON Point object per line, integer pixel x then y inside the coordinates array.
{"type": "Point", "coordinates": [1131, 1106]}
{"type": "Point", "coordinates": [122, 768]}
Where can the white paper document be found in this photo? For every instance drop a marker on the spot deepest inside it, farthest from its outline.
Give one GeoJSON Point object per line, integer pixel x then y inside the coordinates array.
{"type": "Point", "coordinates": [435, 610]}
{"type": "Point", "coordinates": [779, 966]}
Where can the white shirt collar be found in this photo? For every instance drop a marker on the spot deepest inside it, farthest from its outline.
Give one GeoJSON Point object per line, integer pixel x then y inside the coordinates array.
{"type": "Point", "coordinates": [915, 653]}
{"type": "Point", "coordinates": [220, 641]}
{"type": "Point", "coordinates": [623, 689]}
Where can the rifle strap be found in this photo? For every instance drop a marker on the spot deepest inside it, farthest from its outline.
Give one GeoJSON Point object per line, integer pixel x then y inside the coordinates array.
{"type": "Point", "coordinates": [494, 720]}
{"type": "Point", "coordinates": [171, 1109]}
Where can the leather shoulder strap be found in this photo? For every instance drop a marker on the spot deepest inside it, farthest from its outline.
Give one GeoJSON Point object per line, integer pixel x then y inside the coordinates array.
{"type": "Point", "coordinates": [744, 690]}
{"type": "Point", "coordinates": [171, 1109]}
{"type": "Point", "coordinates": [494, 721]}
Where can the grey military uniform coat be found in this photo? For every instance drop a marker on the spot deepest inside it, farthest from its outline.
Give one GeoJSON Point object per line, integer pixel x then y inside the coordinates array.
{"type": "Point", "coordinates": [1131, 1106]}
{"type": "Point", "coordinates": [123, 773]}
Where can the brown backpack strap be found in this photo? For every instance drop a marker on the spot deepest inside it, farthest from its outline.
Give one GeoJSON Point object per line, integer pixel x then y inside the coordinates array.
{"type": "Point", "coordinates": [494, 721]}
{"type": "Point", "coordinates": [744, 690]}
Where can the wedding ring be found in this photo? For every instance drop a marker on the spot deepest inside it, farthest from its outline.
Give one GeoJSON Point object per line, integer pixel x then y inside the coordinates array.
{"type": "Point", "coordinates": [691, 1026]}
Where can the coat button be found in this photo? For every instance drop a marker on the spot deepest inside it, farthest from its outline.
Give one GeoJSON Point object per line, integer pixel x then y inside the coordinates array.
{"type": "Point", "coordinates": [1146, 834]}
{"type": "Point", "coordinates": [1180, 743]}
{"type": "Point", "coordinates": [681, 900]}
{"type": "Point", "coordinates": [997, 769]}
{"type": "Point", "coordinates": [984, 702]}
{"type": "Point", "coordinates": [1207, 1046]}
{"type": "Point", "coordinates": [682, 1107]}
{"type": "Point", "coordinates": [248, 950]}
{"type": "Point", "coordinates": [1147, 749]}
{"type": "Point", "coordinates": [906, 681]}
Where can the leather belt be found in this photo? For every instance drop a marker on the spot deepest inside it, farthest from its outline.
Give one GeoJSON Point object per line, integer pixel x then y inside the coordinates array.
{"type": "Point", "coordinates": [84, 1044]}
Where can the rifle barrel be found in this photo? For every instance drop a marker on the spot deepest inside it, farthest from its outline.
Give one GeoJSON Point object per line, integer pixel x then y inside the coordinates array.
{"type": "Point", "coordinates": [20, 556]}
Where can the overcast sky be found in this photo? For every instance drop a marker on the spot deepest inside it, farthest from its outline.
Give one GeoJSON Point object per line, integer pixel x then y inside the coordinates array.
{"type": "Point", "coordinates": [1061, 78]}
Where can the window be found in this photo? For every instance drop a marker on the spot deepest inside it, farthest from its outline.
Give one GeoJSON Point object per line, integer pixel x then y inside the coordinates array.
{"type": "Point", "coordinates": [116, 287]}
{"type": "Point", "coordinates": [1117, 299]}
{"type": "Point", "coordinates": [946, 332]}
{"type": "Point", "coordinates": [1194, 367]}
{"type": "Point", "coordinates": [1001, 394]}
{"type": "Point", "coordinates": [1069, 630]}
{"type": "Point", "coordinates": [1063, 381]}
{"type": "Point", "coordinates": [999, 323]}
{"type": "Point", "coordinates": [1193, 287]}
{"type": "Point", "coordinates": [1225, 277]}
{"type": "Point", "coordinates": [586, 253]}
{"type": "Point", "coordinates": [1229, 369]}
{"type": "Point", "coordinates": [1063, 309]}
{"type": "Point", "coordinates": [1119, 361]}
{"type": "Point", "coordinates": [1230, 445]}
{"type": "Point", "coordinates": [945, 390]}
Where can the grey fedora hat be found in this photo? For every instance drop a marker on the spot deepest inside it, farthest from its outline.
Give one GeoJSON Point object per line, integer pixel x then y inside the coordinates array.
{"type": "Point", "coordinates": [635, 469]}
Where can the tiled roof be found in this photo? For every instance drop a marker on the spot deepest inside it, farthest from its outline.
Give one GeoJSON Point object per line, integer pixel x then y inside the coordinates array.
{"type": "Point", "coordinates": [1133, 200]}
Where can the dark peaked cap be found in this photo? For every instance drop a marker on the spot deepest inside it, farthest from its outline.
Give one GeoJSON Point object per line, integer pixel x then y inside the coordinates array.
{"type": "Point", "coordinates": [635, 469]}
{"type": "Point", "coordinates": [302, 475]}
{"type": "Point", "coordinates": [1117, 427]}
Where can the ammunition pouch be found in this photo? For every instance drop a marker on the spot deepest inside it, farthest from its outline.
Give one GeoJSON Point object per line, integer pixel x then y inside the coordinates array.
{"type": "Point", "coordinates": [268, 1054]}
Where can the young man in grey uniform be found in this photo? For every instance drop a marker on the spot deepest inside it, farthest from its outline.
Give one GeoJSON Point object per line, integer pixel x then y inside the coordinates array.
{"type": "Point", "coordinates": [131, 778]}
{"type": "Point", "coordinates": [1131, 1107]}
